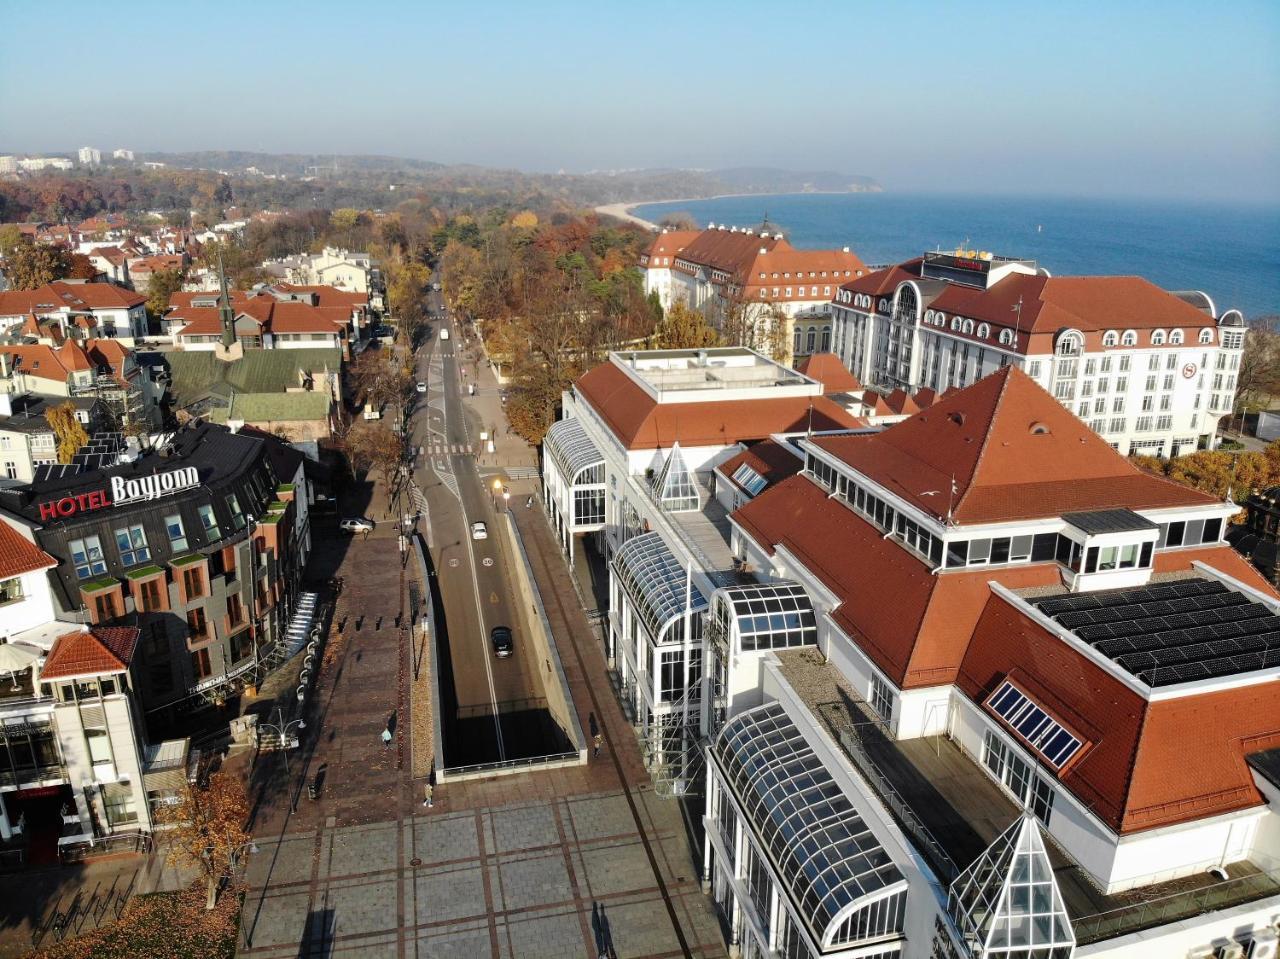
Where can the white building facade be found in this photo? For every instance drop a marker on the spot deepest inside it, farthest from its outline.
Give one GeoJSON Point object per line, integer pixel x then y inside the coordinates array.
{"type": "Point", "coordinates": [1152, 372]}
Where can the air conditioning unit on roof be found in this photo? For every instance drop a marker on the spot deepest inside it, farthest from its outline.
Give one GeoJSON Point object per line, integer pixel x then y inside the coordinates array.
{"type": "Point", "coordinates": [1230, 950]}
{"type": "Point", "coordinates": [1265, 944]}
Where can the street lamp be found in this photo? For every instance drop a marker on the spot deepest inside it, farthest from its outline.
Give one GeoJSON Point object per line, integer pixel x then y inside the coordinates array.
{"type": "Point", "coordinates": [283, 729]}
{"type": "Point", "coordinates": [497, 485]}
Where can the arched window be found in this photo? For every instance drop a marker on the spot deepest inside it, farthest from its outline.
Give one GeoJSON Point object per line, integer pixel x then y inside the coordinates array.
{"type": "Point", "coordinates": [928, 317]}
{"type": "Point", "coordinates": [968, 326]}
{"type": "Point", "coordinates": [1006, 337]}
{"type": "Point", "coordinates": [811, 339]}
{"type": "Point", "coordinates": [1176, 337]}
{"type": "Point", "coordinates": [1206, 335]}
{"type": "Point", "coordinates": [884, 305]}
{"type": "Point", "coordinates": [1130, 338]}
{"type": "Point", "coordinates": [907, 306]}
{"type": "Point", "coordinates": [1070, 344]}
{"type": "Point", "coordinates": [1110, 338]}
{"type": "Point", "coordinates": [1157, 337]}
{"type": "Point", "coordinates": [826, 340]}
{"type": "Point", "coordinates": [940, 320]}
{"type": "Point", "coordinates": [984, 331]}
{"type": "Point", "coordinates": [956, 324]}
{"type": "Point", "coordinates": [795, 346]}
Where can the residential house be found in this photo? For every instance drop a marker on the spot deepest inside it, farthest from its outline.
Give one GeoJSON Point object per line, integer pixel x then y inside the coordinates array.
{"type": "Point", "coordinates": [101, 309]}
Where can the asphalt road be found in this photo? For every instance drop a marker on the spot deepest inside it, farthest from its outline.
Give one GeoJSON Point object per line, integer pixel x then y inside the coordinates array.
{"type": "Point", "coordinates": [496, 699]}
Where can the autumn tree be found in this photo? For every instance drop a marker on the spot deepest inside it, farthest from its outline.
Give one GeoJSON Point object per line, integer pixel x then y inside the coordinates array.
{"type": "Point", "coordinates": [1259, 376]}
{"type": "Point", "coordinates": [372, 445]}
{"type": "Point", "coordinates": [164, 283]}
{"type": "Point", "coordinates": [678, 220]}
{"type": "Point", "coordinates": [10, 237]}
{"type": "Point", "coordinates": [684, 328]}
{"type": "Point", "coordinates": [379, 379]}
{"type": "Point", "coordinates": [30, 266]}
{"type": "Point", "coordinates": [208, 829]}
{"type": "Point", "coordinates": [82, 267]}
{"type": "Point", "coordinates": [67, 428]}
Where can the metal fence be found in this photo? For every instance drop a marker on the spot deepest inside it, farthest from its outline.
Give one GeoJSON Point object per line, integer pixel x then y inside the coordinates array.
{"type": "Point", "coordinates": [455, 772]}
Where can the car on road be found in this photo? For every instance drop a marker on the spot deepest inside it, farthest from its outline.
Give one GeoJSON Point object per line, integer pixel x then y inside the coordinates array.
{"type": "Point", "coordinates": [356, 524]}
{"type": "Point", "coordinates": [500, 636]}
{"type": "Point", "coordinates": [435, 287]}
{"type": "Point", "coordinates": [444, 334]}
{"type": "Point", "coordinates": [479, 531]}
{"type": "Point", "coordinates": [422, 387]}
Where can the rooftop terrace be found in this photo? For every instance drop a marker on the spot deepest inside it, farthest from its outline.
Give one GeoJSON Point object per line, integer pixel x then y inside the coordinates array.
{"type": "Point", "coordinates": [674, 376]}
{"type": "Point", "coordinates": [952, 811]}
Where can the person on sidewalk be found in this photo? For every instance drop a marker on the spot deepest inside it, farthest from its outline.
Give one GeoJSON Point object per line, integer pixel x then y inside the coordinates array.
{"type": "Point", "coordinates": [386, 735]}
{"type": "Point", "coordinates": [598, 740]}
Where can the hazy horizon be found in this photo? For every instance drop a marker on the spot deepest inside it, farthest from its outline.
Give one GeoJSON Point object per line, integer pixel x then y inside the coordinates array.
{"type": "Point", "coordinates": [1094, 99]}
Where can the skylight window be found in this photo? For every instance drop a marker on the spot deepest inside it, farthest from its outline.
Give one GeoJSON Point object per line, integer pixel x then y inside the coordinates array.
{"type": "Point", "coordinates": [749, 479]}
{"type": "Point", "coordinates": [1041, 731]}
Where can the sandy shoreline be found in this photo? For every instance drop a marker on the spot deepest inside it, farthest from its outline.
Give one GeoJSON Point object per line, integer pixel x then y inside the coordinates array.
{"type": "Point", "coordinates": [622, 211]}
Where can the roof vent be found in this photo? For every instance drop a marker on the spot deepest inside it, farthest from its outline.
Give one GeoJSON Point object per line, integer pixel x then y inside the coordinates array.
{"type": "Point", "coordinates": [957, 417]}
{"type": "Point", "coordinates": [845, 249]}
{"type": "Point", "coordinates": [711, 225]}
{"type": "Point", "coordinates": [777, 236]}
{"type": "Point", "coordinates": [1039, 429]}
{"type": "Point", "coordinates": [763, 251]}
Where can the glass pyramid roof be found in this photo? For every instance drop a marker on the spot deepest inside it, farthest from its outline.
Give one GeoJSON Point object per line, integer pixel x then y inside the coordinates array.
{"type": "Point", "coordinates": [675, 486]}
{"type": "Point", "coordinates": [1007, 904]}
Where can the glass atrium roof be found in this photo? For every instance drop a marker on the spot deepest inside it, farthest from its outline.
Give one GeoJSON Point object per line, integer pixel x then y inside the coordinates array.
{"type": "Point", "coordinates": [656, 583]}
{"type": "Point", "coordinates": [571, 448]}
{"type": "Point", "coordinates": [1007, 904]}
{"type": "Point", "coordinates": [831, 864]}
{"type": "Point", "coordinates": [772, 615]}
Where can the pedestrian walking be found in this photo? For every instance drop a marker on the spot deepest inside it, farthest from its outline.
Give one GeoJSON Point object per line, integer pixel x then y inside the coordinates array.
{"type": "Point", "coordinates": [386, 735]}
{"type": "Point", "coordinates": [598, 740]}
{"type": "Point", "coordinates": [427, 790]}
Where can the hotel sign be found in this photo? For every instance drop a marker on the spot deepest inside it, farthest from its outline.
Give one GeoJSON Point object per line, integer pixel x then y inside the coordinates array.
{"type": "Point", "coordinates": [121, 492]}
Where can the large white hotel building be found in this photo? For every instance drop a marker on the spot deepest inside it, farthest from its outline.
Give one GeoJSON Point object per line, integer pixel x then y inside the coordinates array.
{"type": "Point", "coordinates": [969, 685]}
{"type": "Point", "coordinates": [1151, 371]}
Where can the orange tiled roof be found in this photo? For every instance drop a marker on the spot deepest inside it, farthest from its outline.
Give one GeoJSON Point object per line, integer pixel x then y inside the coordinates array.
{"type": "Point", "coordinates": [640, 422]}
{"type": "Point", "coordinates": [91, 652]}
{"type": "Point", "coordinates": [19, 555]}
{"type": "Point", "coordinates": [771, 461]}
{"type": "Point", "coordinates": [1012, 452]}
{"type": "Point", "coordinates": [827, 369]}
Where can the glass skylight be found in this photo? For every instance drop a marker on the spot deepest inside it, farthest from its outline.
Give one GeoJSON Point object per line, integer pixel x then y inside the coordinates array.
{"type": "Point", "coordinates": [675, 486]}
{"type": "Point", "coordinates": [1007, 904]}
{"type": "Point", "coordinates": [769, 615]}
{"type": "Point", "coordinates": [1041, 731]}
{"type": "Point", "coordinates": [749, 479]}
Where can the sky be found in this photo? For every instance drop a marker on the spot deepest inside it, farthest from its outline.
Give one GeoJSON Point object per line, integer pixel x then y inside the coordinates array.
{"type": "Point", "coordinates": [1160, 98]}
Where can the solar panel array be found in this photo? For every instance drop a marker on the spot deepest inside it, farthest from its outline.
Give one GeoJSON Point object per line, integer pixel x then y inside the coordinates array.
{"type": "Point", "coordinates": [1174, 632]}
{"type": "Point", "coordinates": [52, 471]}
{"type": "Point", "coordinates": [102, 450]}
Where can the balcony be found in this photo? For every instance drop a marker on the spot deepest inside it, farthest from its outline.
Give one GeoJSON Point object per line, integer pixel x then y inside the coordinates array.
{"type": "Point", "coordinates": [952, 811]}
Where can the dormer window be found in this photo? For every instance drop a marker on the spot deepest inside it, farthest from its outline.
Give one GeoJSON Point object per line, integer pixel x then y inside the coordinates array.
{"type": "Point", "coordinates": [1175, 338]}
{"type": "Point", "coordinates": [1110, 338]}
{"type": "Point", "coordinates": [1157, 338]}
{"type": "Point", "coordinates": [1206, 335]}
{"type": "Point", "coordinates": [1130, 338]}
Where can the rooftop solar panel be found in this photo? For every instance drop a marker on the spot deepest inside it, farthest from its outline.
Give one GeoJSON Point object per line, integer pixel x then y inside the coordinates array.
{"type": "Point", "coordinates": [1173, 632]}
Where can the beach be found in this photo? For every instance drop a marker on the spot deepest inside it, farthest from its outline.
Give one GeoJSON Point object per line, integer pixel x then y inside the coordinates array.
{"type": "Point", "coordinates": [622, 211]}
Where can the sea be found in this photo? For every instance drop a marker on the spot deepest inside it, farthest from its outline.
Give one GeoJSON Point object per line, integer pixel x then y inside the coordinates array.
{"type": "Point", "coordinates": [1231, 252]}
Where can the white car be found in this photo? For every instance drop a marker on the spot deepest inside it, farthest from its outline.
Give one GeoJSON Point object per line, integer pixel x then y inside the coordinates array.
{"type": "Point", "coordinates": [479, 531]}
{"type": "Point", "coordinates": [356, 524]}
{"type": "Point", "coordinates": [444, 334]}
{"type": "Point", "coordinates": [422, 387]}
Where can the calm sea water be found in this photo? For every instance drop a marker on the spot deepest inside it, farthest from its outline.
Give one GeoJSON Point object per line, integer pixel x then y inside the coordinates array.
{"type": "Point", "coordinates": [1230, 252]}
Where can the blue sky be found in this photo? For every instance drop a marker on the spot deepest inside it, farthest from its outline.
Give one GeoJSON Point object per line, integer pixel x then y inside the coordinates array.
{"type": "Point", "coordinates": [1160, 98]}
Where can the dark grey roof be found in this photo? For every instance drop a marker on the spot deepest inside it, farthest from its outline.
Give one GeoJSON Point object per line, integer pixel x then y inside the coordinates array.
{"type": "Point", "coordinates": [1173, 632]}
{"type": "Point", "coordinates": [1267, 763]}
{"type": "Point", "coordinates": [1109, 521]}
{"type": "Point", "coordinates": [29, 411]}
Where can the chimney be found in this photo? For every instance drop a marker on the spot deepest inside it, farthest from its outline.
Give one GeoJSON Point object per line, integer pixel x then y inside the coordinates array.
{"type": "Point", "coordinates": [763, 251]}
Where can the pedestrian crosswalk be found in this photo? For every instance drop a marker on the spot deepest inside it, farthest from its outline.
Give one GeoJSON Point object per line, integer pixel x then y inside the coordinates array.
{"type": "Point", "coordinates": [446, 449]}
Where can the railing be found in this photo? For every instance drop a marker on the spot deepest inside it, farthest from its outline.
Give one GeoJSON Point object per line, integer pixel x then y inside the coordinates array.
{"type": "Point", "coordinates": [26, 777]}
{"type": "Point", "coordinates": [455, 771]}
{"type": "Point", "coordinates": [898, 807]}
{"type": "Point", "coordinates": [135, 841]}
{"type": "Point", "coordinates": [1171, 908]}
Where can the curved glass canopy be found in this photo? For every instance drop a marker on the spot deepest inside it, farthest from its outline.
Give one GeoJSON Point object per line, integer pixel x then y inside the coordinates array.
{"type": "Point", "coordinates": [572, 450]}
{"type": "Point", "coordinates": [768, 615]}
{"type": "Point", "coordinates": [831, 863]}
{"type": "Point", "coordinates": [656, 583]}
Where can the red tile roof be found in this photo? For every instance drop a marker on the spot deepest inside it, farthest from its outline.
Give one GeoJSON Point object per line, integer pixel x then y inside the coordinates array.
{"type": "Point", "coordinates": [1012, 451]}
{"type": "Point", "coordinates": [1036, 307]}
{"type": "Point", "coordinates": [19, 555]}
{"type": "Point", "coordinates": [912, 623]}
{"type": "Point", "coordinates": [640, 422]}
{"type": "Point", "coordinates": [47, 362]}
{"type": "Point", "coordinates": [827, 369]}
{"type": "Point", "coordinates": [771, 460]}
{"type": "Point", "coordinates": [670, 242]}
{"type": "Point", "coordinates": [1134, 773]}
{"type": "Point", "coordinates": [91, 652]}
